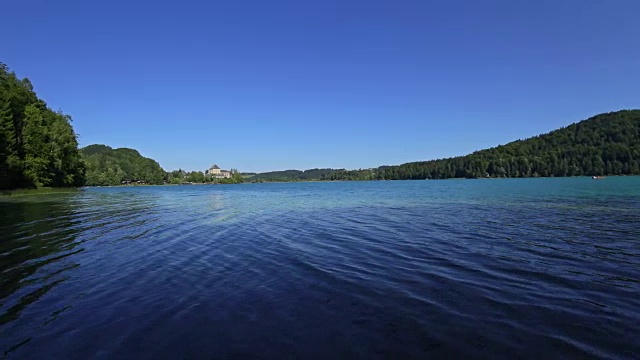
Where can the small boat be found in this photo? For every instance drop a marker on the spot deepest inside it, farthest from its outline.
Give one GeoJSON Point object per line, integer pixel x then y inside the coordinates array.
{"type": "Point", "coordinates": [597, 177]}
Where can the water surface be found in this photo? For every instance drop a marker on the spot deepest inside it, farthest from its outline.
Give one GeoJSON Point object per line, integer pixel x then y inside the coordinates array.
{"type": "Point", "coordinates": [405, 269]}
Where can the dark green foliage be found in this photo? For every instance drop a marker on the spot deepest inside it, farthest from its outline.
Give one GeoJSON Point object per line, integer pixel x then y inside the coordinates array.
{"type": "Point", "coordinates": [180, 177]}
{"type": "Point", "coordinates": [107, 166]}
{"type": "Point", "coordinates": [38, 146]}
{"type": "Point", "coordinates": [195, 177]}
{"type": "Point", "coordinates": [313, 175]}
{"type": "Point", "coordinates": [198, 177]}
{"type": "Point", "coordinates": [285, 175]}
{"type": "Point", "coordinates": [95, 149]}
{"type": "Point", "coordinates": [177, 177]}
{"type": "Point", "coordinates": [606, 144]}
{"type": "Point", "coordinates": [236, 178]}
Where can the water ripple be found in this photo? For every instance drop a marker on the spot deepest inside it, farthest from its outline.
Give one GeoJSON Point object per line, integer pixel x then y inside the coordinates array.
{"type": "Point", "coordinates": [531, 268]}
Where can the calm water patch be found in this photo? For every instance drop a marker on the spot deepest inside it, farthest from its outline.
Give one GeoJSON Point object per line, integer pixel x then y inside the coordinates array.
{"type": "Point", "coordinates": [409, 269]}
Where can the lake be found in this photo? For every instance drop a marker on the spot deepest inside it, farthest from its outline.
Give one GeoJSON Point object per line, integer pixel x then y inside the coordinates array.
{"type": "Point", "coordinates": [501, 268]}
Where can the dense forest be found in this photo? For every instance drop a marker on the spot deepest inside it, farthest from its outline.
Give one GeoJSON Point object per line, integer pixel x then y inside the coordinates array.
{"type": "Point", "coordinates": [107, 166]}
{"type": "Point", "coordinates": [315, 175]}
{"type": "Point", "coordinates": [606, 144]}
{"type": "Point", "coordinates": [312, 175]}
{"type": "Point", "coordinates": [38, 146]}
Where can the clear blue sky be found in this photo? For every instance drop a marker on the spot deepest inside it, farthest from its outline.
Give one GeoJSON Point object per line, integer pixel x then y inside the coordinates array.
{"type": "Point", "coordinates": [273, 85]}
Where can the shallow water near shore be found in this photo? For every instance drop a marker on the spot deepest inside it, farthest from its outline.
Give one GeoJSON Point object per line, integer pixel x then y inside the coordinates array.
{"type": "Point", "coordinates": [498, 268]}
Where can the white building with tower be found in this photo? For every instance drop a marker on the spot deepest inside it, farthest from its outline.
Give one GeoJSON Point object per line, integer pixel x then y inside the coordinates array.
{"type": "Point", "coordinates": [217, 173]}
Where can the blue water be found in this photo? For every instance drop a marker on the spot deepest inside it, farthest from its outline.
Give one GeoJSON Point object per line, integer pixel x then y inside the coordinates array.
{"type": "Point", "coordinates": [532, 268]}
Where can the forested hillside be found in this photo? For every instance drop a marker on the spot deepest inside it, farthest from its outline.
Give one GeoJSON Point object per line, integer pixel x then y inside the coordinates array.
{"type": "Point", "coordinates": [107, 166]}
{"type": "Point", "coordinates": [38, 147]}
{"type": "Point", "coordinates": [312, 174]}
{"type": "Point", "coordinates": [606, 144]}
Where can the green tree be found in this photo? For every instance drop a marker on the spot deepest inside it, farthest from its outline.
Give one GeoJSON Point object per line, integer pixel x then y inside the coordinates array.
{"type": "Point", "coordinates": [36, 168]}
{"type": "Point", "coordinates": [38, 147]}
{"type": "Point", "coordinates": [107, 166]}
{"type": "Point", "coordinates": [9, 160]}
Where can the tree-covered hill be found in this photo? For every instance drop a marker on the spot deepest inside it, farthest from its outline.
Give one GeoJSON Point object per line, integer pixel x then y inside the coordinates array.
{"type": "Point", "coordinates": [606, 144]}
{"type": "Point", "coordinates": [312, 175]}
{"type": "Point", "coordinates": [107, 166]}
{"type": "Point", "coordinates": [291, 175]}
{"type": "Point", "coordinates": [38, 146]}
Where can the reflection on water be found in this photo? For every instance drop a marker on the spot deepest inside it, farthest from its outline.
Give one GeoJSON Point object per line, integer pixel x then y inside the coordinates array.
{"type": "Point", "coordinates": [504, 268]}
{"type": "Point", "coordinates": [37, 240]}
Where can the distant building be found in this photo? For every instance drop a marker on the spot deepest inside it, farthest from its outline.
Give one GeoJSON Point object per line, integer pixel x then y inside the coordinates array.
{"type": "Point", "coordinates": [217, 173]}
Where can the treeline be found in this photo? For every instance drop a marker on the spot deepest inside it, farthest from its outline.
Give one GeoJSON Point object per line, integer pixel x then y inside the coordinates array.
{"type": "Point", "coordinates": [107, 166]}
{"type": "Point", "coordinates": [606, 144]}
{"type": "Point", "coordinates": [110, 167]}
{"type": "Point", "coordinates": [38, 146]}
{"type": "Point", "coordinates": [313, 175]}
{"type": "Point", "coordinates": [198, 177]}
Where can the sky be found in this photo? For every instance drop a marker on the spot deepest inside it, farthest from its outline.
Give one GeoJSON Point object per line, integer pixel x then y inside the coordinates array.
{"type": "Point", "coordinates": [275, 85]}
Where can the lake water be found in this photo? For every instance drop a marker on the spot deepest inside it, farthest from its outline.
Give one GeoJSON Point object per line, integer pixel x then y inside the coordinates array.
{"type": "Point", "coordinates": [511, 268]}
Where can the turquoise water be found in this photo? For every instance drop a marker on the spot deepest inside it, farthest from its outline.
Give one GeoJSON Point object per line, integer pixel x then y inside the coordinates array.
{"type": "Point", "coordinates": [392, 269]}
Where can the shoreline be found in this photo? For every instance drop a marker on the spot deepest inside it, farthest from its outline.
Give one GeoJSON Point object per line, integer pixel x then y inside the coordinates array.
{"type": "Point", "coordinates": [40, 191]}
{"type": "Point", "coordinates": [49, 191]}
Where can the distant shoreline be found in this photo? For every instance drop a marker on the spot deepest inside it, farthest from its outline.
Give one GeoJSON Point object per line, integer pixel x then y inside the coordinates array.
{"type": "Point", "coordinates": [47, 191]}
{"type": "Point", "coordinates": [455, 178]}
